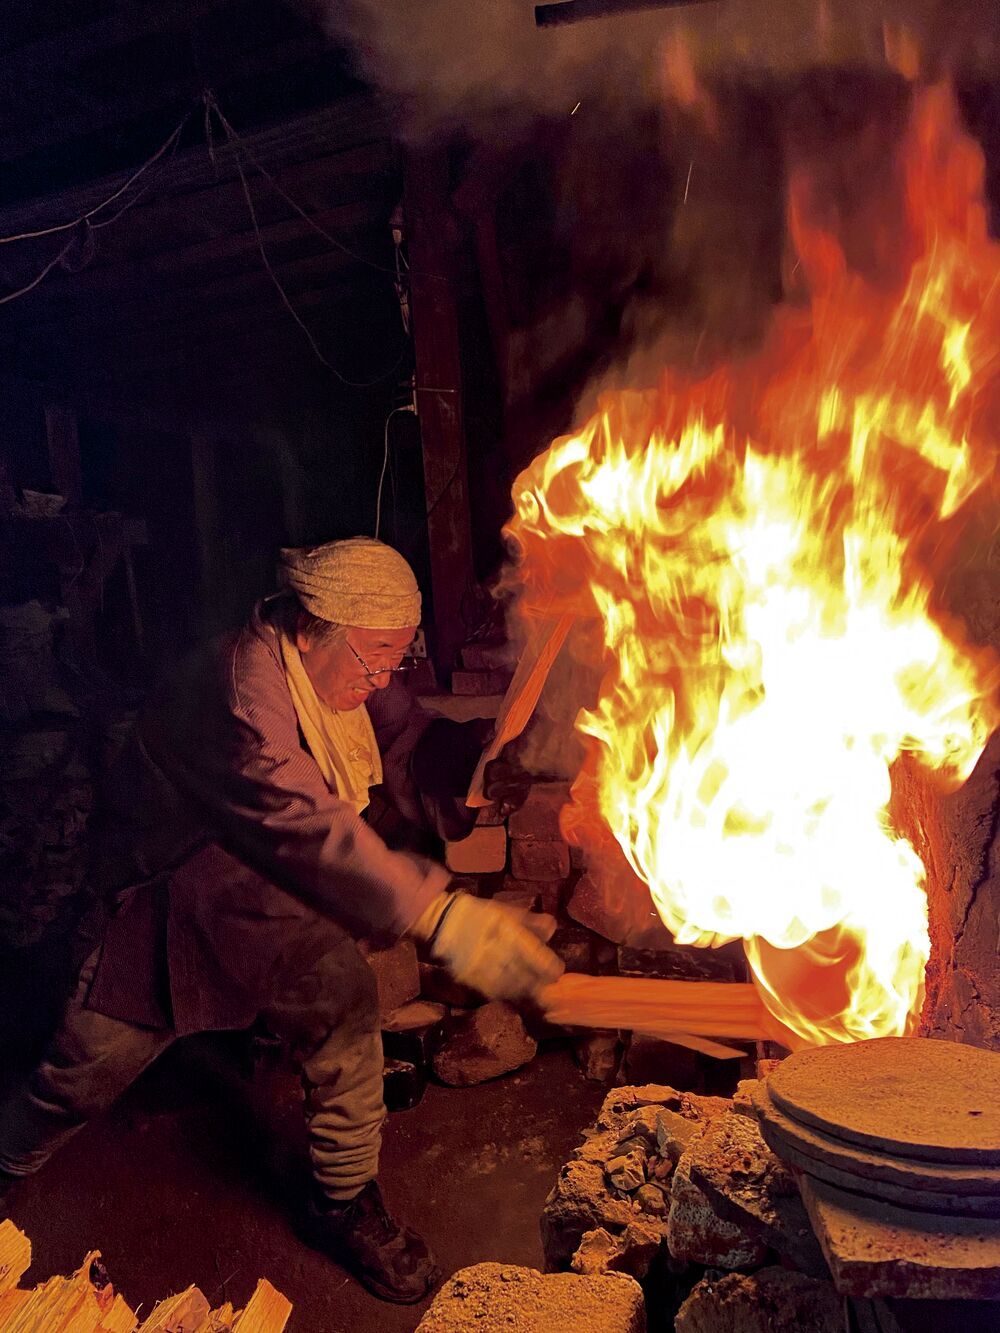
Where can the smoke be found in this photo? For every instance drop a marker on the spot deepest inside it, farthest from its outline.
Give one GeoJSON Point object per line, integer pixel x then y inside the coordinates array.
{"type": "Point", "coordinates": [484, 63]}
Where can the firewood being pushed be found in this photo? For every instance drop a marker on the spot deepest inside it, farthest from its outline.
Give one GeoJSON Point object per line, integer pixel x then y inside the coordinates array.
{"type": "Point", "coordinates": [686, 1012]}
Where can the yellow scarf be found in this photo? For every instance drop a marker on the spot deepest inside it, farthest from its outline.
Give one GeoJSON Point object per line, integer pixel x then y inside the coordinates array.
{"type": "Point", "coordinates": [343, 744]}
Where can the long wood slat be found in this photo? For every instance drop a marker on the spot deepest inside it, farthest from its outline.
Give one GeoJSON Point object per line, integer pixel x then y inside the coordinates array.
{"type": "Point", "coordinates": [15, 1255]}
{"type": "Point", "coordinates": [266, 1312]}
{"type": "Point", "coordinates": [659, 1008]}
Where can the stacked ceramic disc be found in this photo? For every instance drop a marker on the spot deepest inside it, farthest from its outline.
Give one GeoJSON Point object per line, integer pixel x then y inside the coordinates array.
{"type": "Point", "coordinates": [905, 1120]}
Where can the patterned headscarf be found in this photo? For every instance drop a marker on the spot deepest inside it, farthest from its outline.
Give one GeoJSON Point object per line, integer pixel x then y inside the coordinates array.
{"type": "Point", "coordinates": [359, 581]}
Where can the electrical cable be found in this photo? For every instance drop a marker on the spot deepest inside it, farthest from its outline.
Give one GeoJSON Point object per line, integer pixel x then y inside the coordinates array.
{"type": "Point", "coordinates": [385, 463]}
{"type": "Point", "coordinates": [23, 291]}
{"type": "Point", "coordinates": [286, 300]}
{"type": "Point", "coordinates": [85, 217]}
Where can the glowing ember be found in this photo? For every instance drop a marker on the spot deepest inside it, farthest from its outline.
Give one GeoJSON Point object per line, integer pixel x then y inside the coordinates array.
{"type": "Point", "coordinates": [761, 549]}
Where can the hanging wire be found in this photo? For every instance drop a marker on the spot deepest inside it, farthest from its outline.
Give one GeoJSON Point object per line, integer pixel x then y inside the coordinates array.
{"type": "Point", "coordinates": [269, 269]}
{"type": "Point", "coordinates": [85, 217]}
{"type": "Point", "coordinates": [39, 277]}
{"type": "Point", "coordinates": [385, 462]}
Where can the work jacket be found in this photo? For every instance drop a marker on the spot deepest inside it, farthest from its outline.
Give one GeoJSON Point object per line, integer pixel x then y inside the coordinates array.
{"type": "Point", "coordinates": [227, 863]}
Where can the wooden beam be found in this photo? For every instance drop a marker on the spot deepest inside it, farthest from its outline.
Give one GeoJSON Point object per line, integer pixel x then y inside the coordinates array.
{"type": "Point", "coordinates": [432, 236]}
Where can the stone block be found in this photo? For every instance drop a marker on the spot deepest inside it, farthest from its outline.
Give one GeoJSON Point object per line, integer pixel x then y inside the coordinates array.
{"type": "Point", "coordinates": [414, 1031]}
{"type": "Point", "coordinates": [484, 1044]}
{"type": "Point", "coordinates": [396, 975]}
{"type": "Point", "coordinates": [697, 1234]}
{"type": "Point", "coordinates": [483, 851]}
{"type": "Point", "coordinates": [437, 984]}
{"type": "Point", "coordinates": [773, 1300]}
{"type": "Point", "coordinates": [403, 1084]}
{"type": "Point", "coordinates": [538, 817]}
{"type": "Point", "coordinates": [580, 1201]}
{"type": "Point", "coordinates": [479, 683]}
{"type": "Point", "coordinates": [541, 860]}
{"type": "Point", "coordinates": [499, 1298]}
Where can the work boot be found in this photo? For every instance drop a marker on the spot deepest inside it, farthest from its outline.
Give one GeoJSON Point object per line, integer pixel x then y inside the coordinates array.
{"type": "Point", "coordinates": [390, 1260]}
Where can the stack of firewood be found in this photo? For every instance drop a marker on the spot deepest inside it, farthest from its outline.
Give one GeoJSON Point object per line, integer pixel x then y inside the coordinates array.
{"type": "Point", "coordinates": [88, 1303]}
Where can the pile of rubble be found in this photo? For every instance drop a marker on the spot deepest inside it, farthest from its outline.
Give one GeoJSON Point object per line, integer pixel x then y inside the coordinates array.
{"type": "Point", "coordinates": [674, 1190]}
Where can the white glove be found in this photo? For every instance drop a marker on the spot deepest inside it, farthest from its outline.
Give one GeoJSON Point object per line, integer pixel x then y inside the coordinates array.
{"type": "Point", "coordinates": [494, 949]}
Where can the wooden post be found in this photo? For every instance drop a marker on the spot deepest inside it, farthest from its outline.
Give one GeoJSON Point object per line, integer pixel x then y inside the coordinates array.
{"type": "Point", "coordinates": [432, 236]}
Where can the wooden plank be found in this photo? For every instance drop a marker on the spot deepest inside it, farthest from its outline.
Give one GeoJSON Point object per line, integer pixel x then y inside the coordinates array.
{"type": "Point", "coordinates": [120, 1318]}
{"type": "Point", "coordinates": [432, 236]}
{"type": "Point", "coordinates": [523, 693]}
{"type": "Point", "coordinates": [15, 1254]}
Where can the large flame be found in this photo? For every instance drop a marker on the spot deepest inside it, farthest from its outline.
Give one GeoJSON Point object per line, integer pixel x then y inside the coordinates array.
{"type": "Point", "coordinates": [761, 548]}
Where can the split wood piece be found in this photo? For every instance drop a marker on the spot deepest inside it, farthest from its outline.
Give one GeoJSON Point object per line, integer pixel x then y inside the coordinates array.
{"type": "Point", "coordinates": [523, 693]}
{"type": "Point", "coordinates": [703, 1045]}
{"type": "Point", "coordinates": [118, 1319]}
{"type": "Point", "coordinates": [60, 1305]}
{"type": "Point", "coordinates": [935, 1100]}
{"type": "Point", "coordinates": [184, 1313]}
{"type": "Point", "coordinates": [658, 1008]}
{"type": "Point", "coordinates": [267, 1311]}
{"type": "Point", "coordinates": [220, 1320]}
{"type": "Point", "coordinates": [875, 1249]}
{"type": "Point", "coordinates": [15, 1254]}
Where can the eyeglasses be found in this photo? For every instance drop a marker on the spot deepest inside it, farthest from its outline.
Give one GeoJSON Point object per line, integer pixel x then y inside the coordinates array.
{"type": "Point", "coordinates": [405, 664]}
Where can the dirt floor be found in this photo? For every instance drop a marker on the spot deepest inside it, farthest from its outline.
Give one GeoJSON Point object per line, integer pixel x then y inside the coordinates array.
{"type": "Point", "coordinates": [190, 1179]}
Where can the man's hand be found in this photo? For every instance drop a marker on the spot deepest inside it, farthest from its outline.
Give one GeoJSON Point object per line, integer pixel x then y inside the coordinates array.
{"type": "Point", "coordinates": [495, 949]}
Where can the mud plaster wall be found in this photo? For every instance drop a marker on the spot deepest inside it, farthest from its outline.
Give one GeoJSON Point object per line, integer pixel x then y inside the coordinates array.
{"type": "Point", "coordinates": [957, 835]}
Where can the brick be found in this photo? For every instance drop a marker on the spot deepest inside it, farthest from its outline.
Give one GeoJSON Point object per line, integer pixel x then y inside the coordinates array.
{"type": "Point", "coordinates": [538, 817]}
{"type": "Point", "coordinates": [487, 657]}
{"type": "Point", "coordinates": [550, 891]}
{"type": "Point", "coordinates": [396, 975]}
{"type": "Point", "coordinates": [524, 899]}
{"type": "Point", "coordinates": [494, 1298]}
{"type": "Point", "coordinates": [484, 1044]}
{"type": "Point", "coordinates": [483, 851]}
{"type": "Point", "coordinates": [479, 683]}
{"type": "Point", "coordinates": [531, 859]}
{"type": "Point", "coordinates": [773, 1300]}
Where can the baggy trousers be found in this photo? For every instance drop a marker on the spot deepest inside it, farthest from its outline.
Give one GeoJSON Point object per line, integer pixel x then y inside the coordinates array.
{"type": "Point", "coordinates": [330, 1016]}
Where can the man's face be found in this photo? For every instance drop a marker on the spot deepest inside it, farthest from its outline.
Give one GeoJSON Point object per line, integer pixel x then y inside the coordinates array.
{"type": "Point", "coordinates": [337, 676]}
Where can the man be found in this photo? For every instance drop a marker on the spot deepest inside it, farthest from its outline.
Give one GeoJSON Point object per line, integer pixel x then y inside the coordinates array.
{"type": "Point", "coordinates": [239, 869]}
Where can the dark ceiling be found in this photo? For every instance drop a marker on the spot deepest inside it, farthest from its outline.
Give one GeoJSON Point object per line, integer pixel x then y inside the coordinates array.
{"type": "Point", "coordinates": [170, 300]}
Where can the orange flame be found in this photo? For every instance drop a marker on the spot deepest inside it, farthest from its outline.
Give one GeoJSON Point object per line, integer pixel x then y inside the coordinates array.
{"type": "Point", "coordinates": [761, 548]}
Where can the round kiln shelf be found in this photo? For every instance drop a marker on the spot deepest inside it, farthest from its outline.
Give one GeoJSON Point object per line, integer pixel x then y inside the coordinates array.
{"type": "Point", "coordinates": [907, 1096]}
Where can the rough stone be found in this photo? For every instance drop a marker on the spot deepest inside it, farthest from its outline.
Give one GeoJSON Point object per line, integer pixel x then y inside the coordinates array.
{"type": "Point", "coordinates": [597, 1055]}
{"type": "Point", "coordinates": [484, 1044]}
{"type": "Point", "coordinates": [489, 816]}
{"type": "Point", "coordinates": [499, 1298]}
{"type": "Point", "coordinates": [578, 1202]}
{"type": "Point", "coordinates": [697, 1234]}
{"type": "Point", "coordinates": [632, 1251]}
{"type": "Point", "coordinates": [651, 1199]}
{"type": "Point", "coordinates": [750, 1187]}
{"type": "Point", "coordinates": [484, 850]}
{"type": "Point", "coordinates": [627, 1172]}
{"type": "Point", "coordinates": [772, 1300]}
{"type": "Point", "coordinates": [609, 908]}
{"type": "Point", "coordinates": [396, 975]}
{"type": "Point", "coordinates": [538, 817]}
{"type": "Point", "coordinates": [534, 859]}
{"type": "Point", "coordinates": [575, 945]}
